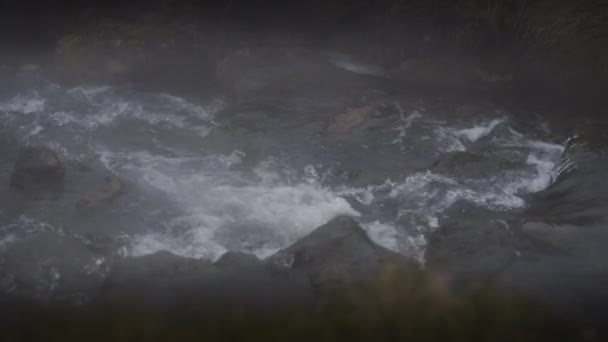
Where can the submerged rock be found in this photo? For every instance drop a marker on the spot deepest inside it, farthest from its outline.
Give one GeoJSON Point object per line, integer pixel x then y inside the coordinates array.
{"type": "Point", "coordinates": [345, 122]}
{"type": "Point", "coordinates": [111, 189]}
{"type": "Point", "coordinates": [468, 165]}
{"type": "Point", "coordinates": [36, 169]}
{"type": "Point", "coordinates": [339, 253]}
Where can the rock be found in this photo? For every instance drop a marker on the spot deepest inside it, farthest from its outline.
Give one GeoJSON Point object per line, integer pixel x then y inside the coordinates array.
{"type": "Point", "coordinates": [37, 168]}
{"type": "Point", "coordinates": [159, 280]}
{"type": "Point", "coordinates": [345, 122]}
{"type": "Point", "coordinates": [238, 260]}
{"type": "Point", "coordinates": [469, 165]}
{"type": "Point", "coordinates": [49, 264]}
{"type": "Point", "coordinates": [339, 253]}
{"type": "Point", "coordinates": [170, 283]}
{"type": "Point", "coordinates": [469, 248]}
{"type": "Point", "coordinates": [579, 193]}
{"type": "Point", "coordinates": [560, 237]}
{"type": "Point", "coordinates": [111, 189]}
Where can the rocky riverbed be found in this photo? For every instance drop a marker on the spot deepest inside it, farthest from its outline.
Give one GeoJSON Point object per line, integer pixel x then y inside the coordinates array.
{"type": "Point", "coordinates": [150, 174]}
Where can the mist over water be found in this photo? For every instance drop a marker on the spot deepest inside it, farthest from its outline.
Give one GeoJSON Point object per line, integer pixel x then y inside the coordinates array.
{"type": "Point", "coordinates": [198, 184]}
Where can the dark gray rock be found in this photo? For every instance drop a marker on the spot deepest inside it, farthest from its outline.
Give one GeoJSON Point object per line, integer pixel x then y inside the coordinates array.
{"type": "Point", "coordinates": [579, 194]}
{"type": "Point", "coordinates": [564, 238]}
{"type": "Point", "coordinates": [238, 260]}
{"type": "Point", "coordinates": [469, 247]}
{"type": "Point", "coordinates": [564, 262]}
{"type": "Point", "coordinates": [111, 188]}
{"type": "Point", "coordinates": [50, 265]}
{"type": "Point", "coordinates": [339, 253]}
{"type": "Point", "coordinates": [471, 165]}
{"type": "Point", "coordinates": [171, 283]}
{"type": "Point", "coordinates": [37, 168]}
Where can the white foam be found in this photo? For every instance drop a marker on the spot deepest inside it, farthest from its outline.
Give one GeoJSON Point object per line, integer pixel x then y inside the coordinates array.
{"type": "Point", "coordinates": [364, 196]}
{"type": "Point", "coordinates": [181, 104]}
{"type": "Point", "coordinates": [384, 235]}
{"type": "Point", "coordinates": [26, 104]}
{"type": "Point", "coordinates": [220, 206]}
{"type": "Point", "coordinates": [475, 133]}
{"type": "Point", "coordinates": [545, 146]}
{"type": "Point", "coordinates": [89, 92]}
{"type": "Point", "coordinates": [545, 174]}
{"type": "Point", "coordinates": [7, 240]}
{"type": "Point", "coordinates": [405, 123]}
{"type": "Point", "coordinates": [447, 141]}
{"type": "Point", "coordinates": [106, 105]}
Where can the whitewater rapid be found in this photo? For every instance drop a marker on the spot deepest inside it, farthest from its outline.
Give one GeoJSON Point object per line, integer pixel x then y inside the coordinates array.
{"type": "Point", "coordinates": [155, 143]}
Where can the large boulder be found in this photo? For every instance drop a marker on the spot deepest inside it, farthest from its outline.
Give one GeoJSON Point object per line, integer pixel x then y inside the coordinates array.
{"type": "Point", "coordinates": [37, 168]}
{"type": "Point", "coordinates": [343, 123]}
{"type": "Point", "coordinates": [176, 284]}
{"type": "Point", "coordinates": [471, 246]}
{"type": "Point", "coordinates": [579, 192]}
{"type": "Point", "coordinates": [41, 262]}
{"type": "Point", "coordinates": [339, 253]}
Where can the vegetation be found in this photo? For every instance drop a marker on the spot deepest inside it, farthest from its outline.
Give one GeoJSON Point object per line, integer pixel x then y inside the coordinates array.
{"type": "Point", "coordinates": [396, 307]}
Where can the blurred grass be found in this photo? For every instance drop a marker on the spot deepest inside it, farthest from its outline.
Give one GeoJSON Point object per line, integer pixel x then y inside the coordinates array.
{"type": "Point", "coordinates": [397, 307]}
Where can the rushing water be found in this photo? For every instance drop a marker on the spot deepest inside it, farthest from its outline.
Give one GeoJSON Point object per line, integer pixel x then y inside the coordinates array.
{"type": "Point", "coordinates": [204, 176]}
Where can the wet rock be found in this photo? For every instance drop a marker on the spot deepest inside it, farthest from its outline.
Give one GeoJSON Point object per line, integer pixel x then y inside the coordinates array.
{"type": "Point", "coordinates": [345, 122]}
{"type": "Point", "coordinates": [167, 282]}
{"type": "Point", "coordinates": [462, 164]}
{"type": "Point", "coordinates": [469, 248]}
{"type": "Point", "coordinates": [50, 265]}
{"type": "Point", "coordinates": [339, 253]}
{"type": "Point", "coordinates": [238, 260]}
{"type": "Point", "coordinates": [579, 193]}
{"type": "Point", "coordinates": [560, 237]}
{"type": "Point", "coordinates": [36, 169]}
{"type": "Point", "coordinates": [565, 262]}
{"type": "Point", "coordinates": [112, 188]}
{"type": "Point", "coordinates": [161, 280]}
{"type": "Point", "coordinates": [166, 267]}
